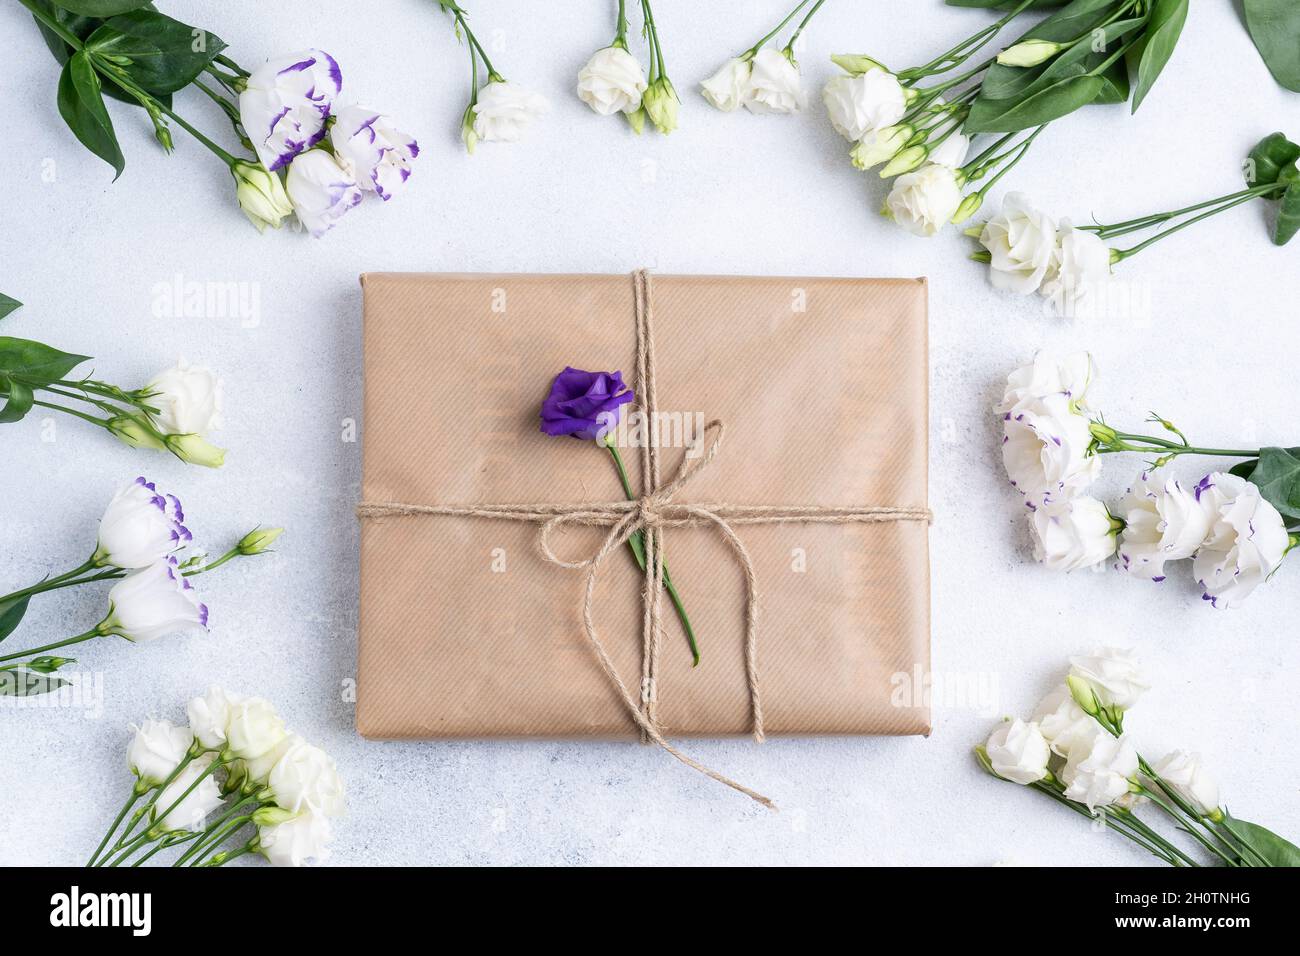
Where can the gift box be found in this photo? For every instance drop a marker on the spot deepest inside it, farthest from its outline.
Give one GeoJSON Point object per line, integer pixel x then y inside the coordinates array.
{"type": "Point", "coordinates": [468, 630]}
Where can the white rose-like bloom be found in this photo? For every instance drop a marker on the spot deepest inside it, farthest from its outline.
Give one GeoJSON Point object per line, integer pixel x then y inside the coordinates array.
{"type": "Point", "coordinates": [775, 85]}
{"type": "Point", "coordinates": [1098, 774]}
{"type": "Point", "coordinates": [504, 109]}
{"type": "Point", "coordinates": [286, 103]}
{"type": "Point", "coordinates": [373, 151]}
{"type": "Point", "coordinates": [156, 748]}
{"type": "Point", "coordinates": [305, 778]}
{"type": "Point", "coordinates": [1073, 534]}
{"type": "Point", "coordinates": [1045, 450]}
{"type": "Point", "coordinates": [1246, 542]}
{"type": "Point", "coordinates": [1184, 774]}
{"type": "Point", "coordinates": [1063, 723]}
{"type": "Point", "coordinates": [1018, 752]}
{"type": "Point", "coordinates": [154, 602]}
{"type": "Point", "coordinates": [925, 201]}
{"type": "Point", "coordinates": [209, 717]}
{"type": "Point", "coordinates": [1022, 242]}
{"type": "Point", "coordinates": [859, 104]}
{"type": "Point", "coordinates": [1080, 268]}
{"type": "Point", "coordinates": [1113, 674]}
{"type": "Point", "coordinates": [612, 82]}
{"type": "Point", "coordinates": [728, 88]}
{"type": "Point", "coordinates": [188, 398]}
{"type": "Point", "coordinates": [1048, 374]}
{"type": "Point", "coordinates": [140, 526]}
{"type": "Point", "coordinates": [951, 152]}
{"type": "Point", "coordinates": [190, 812]}
{"type": "Point", "coordinates": [321, 191]}
{"type": "Point", "coordinates": [1164, 522]}
{"type": "Point", "coordinates": [295, 840]}
{"type": "Point", "coordinates": [253, 728]}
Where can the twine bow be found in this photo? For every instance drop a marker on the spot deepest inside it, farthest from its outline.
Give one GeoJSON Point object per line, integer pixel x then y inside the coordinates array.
{"type": "Point", "coordinates": [649, 515]}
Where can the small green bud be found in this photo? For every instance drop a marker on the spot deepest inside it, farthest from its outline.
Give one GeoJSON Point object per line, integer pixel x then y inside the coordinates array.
{"type": "Point", "coordinates": [48, 665]}
{"type": "Point", "coordinates": [258, 540]}
{"type": "Point", "coordinates": [1103, 433]}
{"type": "Point", "coordinates": [969, 207]}
{"type": "Point", "coordinates": [196, 450]}
{"type": "Point", "coordinates": [636, 120]}
{"type": "Point", "coordinates": [906, 161]}
{"type": "Point", "coordinates": [271, 816]}
{"type": "Point", "coordinates": [856, 63]}
{"type": "Point", "coordinates": [660, 103]}
{"type": "Point", "coordinates": [135, 433]}
{"type": "Point", "coordinates": [1082, 693]}
{"type": "Point", "coordinates": [1029, 53]}
{"type": "Point", "coordinates": [467, 134]}
{"type": "Point", "coordinates": [880, 146]}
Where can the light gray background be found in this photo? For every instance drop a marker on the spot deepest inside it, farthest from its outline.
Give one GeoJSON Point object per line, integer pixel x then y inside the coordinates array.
{"type": "Point", "coordinates": [725, 193]}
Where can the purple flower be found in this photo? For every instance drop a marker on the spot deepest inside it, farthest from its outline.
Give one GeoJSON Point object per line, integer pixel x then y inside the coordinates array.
{"type": "Point", "coordinates": [584, 404]}
{"type": "Point", "coordinates": [286, 103]}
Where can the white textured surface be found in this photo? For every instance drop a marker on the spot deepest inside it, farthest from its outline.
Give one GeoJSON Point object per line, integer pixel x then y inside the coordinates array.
{"type": "Point", "coordinates": [726, 193]}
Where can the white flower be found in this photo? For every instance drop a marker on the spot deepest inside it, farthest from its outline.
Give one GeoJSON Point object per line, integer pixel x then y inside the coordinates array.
{"type": "Point", "coordinates": [154, 602]}
{"type": "Point", "coordinates": [1045, 449]}
{"type": "Point", "coordinates": [1098, 774]}
{"type": "Point", "coordinates": [612, 82]}
{"type": "Point", "coordinates": [260, 194]}
{"type": "Point", "coordinates": [925, 201]}
{"type": "Point", "coordinates": [1063, 723]}
{"type": "Point", "coordinates": [374, 152]}
{"type": "Point", "coordinates": [774, 84]}
{"type": "Point", "coordinates": [259, 768]}
{"type": "Point", "coordinates": [859, 104]}
{"type": "Point", "coordinates": [728, 88]}
{"type": "Point", "coordinates": [188, 398]}
{"type": "Point", "coordinates": [321, 190]}
{"type": "Point", "coordinates": [1164, 522]}
{"type": "Point", "coordinates": [155, 750]}
{"type": "Point", "coordinates": [193, 807]}
{"type": "Point", "coordinates": [1183, 773]}
{"type": "Point", "coordinates": [661, 104]}
{"type": "Point", "coordinates": [1080, 268]}
{"type": "Point", "coordinates": [253, 729]}
{"type": "Point", "coordinates": [1018, 752]}
{"type": "Point", "coordinates": [292, 839]}
{"type": "Point", "coordinates": [139, 527]}
{"type": "Point", "coordinates": [504, 109]}
{"type": "Point", "coordinates": [305, 778]}
{"type": "Point", "coordinates": [1048, 374]}
{"type": "Point", "coordinates": [1112, 674]}
{"type": "Point", "coordinates": [286, 103]}
{"type": "Point", "coordinates": [1022, 243]}
{"type": "Point", "coordinates": [1073, 534]}
{"type": "Point", "coordinates": [209, 717]}
{"type": "Point", "coordinates": [1246, 542]}
{"type": "Point", "coordinates": [951, 152]}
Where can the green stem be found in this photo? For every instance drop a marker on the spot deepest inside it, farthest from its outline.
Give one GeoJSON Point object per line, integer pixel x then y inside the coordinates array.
{"type": "Point", "coordinates": [221, 859]}
{"type": "Point", "coordinates": [620, 29]}
{"type": "Point", "coordinates": [653, 30]}
{"type": "Point", "coordinates": [1173, 448]}
{"type": "Point", "coordinates": [48, 583]}
{"type": "Point", "coordinates": [803, 23]}
{"type": "Point", "coordinates": [163, 844]}
{"type": "Point", "coordinates": [1023, 148]}
{"type": "Point", "coordinates": [64, 34]}
{"type": "Point", "coordinates": [1109, 818]}
{"type": "Point", "coordinates": [1123, 254]}
{"type": "Point", "coordinates": [236, 824]}
{"type": "Point", "coordinates": [72, 411]}
{"type": "Point", "coordinates": [1186, 825]}
{"type": "Point", "coordinates": [205, 838]}
{"type": "Point", "coordinates": [117, 822]}
{"type": "Point", "coordinates": [749, 54]}
{"type": "Point", "coordinates": [89, 635]}
{"type": "Point", "coordinates": [967, 48]}
{"type": "Point", "coordinates": [1111, 230]}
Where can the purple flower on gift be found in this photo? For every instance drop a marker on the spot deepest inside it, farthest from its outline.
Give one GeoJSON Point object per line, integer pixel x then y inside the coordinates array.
{"type": "Point", "coordinates": [585, 405]}
{"type": "Point", "coordinates": [286, 103]}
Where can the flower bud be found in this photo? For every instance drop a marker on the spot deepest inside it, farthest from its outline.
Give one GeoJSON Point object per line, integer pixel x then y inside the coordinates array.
{"type": "Point", "coordinates": [258, 540]}
{"type": "Point", "coordinates": [1103, 433]}
{"type": "Point", "coordinates": [856, 64]}
{"type": "Point", "coordinates": [467, 134]}
{"type": "Point", "coordinates": [636, 120]}
{"type": "Point", "coordinates": [906, 161]}
{"type": "Point", "coordinates": [1083, 695]}
{"type": "Point", "coordinates": [270, 816]}
{"type": "Point", "coordinates": [1029, 53]}
{"type": "Point", "coordinates": [660, 103]}
{"type": "Point", "coordinates": [261, 195]}
{"type": "Point", "coordinates": [47, 665]}
{"type": "Point", "coordinates": [969, 207]}
{"type": "Point", "coordinates": [196, 450]}
{"type": "Point", "coordinates": [135, 433]}
{"type": "Point", "coordinates": [880, 146]}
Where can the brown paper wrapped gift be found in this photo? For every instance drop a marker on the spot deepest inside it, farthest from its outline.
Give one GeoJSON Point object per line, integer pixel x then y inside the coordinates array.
{"type": "Point", "coordinates": [468, 631]}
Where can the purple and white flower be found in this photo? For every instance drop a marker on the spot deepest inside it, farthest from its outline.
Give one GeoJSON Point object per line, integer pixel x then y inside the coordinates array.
{"type": "Point", "coordinates": [1045, 448]}
{"type": "Point", "coordinates": [321, 190]}
{"type": "Point", "coordinates": [1164, 521]}
{"type": "Point", "coordinates": [373, 151]}
{"type": "Point", "coordinates": [154, 602]}
{"type": "Point", "coordinates": [140, 527]}
{"type": "Point", "coordinates": [286, 103]}
{"type": "Point", "coordinates": [1074, 534]}
{"type": "Point", "coordinates": [1049, 374]}
{"type": "Point", "coordinates": [1246, 542]}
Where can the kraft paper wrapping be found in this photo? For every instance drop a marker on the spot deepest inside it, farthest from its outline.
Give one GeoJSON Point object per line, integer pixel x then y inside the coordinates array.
{"type": "Point", "coordinates": [466, 631]}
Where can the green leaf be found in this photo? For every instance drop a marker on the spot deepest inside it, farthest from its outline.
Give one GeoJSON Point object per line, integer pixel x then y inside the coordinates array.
{"type": "Point", "coordinates": [1159, 41]}
{"type": "Point", "coordinates": [1275, 850]}
{"type": "Point", "coordinates": [100, 8]}
{"type": "Point", "coordinates": [164, 55]}
{"type": "Point", "coordinates": [1244, 469]}
{"type": "Point", "coordinates": [1278, 478]}
{"type": "Point", "coordinates": [8, 304]}
{"type": "Point", "coordinates": [989, 4]}
{"type": "Point", "coordinates": [1075, 20]}
{"type": "Point", "coordinates": [1275, 27]}
{"type": "Point", "coordinates": [27, 684]}
{"type": "Point", "coordinates": [11, 613]}
{"type": "Point", "coordinates": [1059, 99]}
{"type": "Point", "coordinates": [35, 363]}
{"type": "Point", "coordinates": [18, 403]}
{"type": "Point", "coordinates": [1117, 86]}
{"type": "Point", "coordinates": [1270, 158]}
{"type": "Point", "coordinates": [81, 104]}
{"type": "Point", "coordinates": [1288, 216]}
{"type": "Point", "coordinates": [83, 27]}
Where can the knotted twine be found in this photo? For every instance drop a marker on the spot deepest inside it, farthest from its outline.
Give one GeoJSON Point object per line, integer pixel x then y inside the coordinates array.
{"type": "Point", "coordinates": [649, 515]}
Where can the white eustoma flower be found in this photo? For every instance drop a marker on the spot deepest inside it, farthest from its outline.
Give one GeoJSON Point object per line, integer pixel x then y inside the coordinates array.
{"type": "Point", "coordinates": [1045, 450]}
{"type": "Point", "coordinates": [1164, 522]}
{"type": "Point", "coordinates": [1063, 723]}
{"type": "Point", "coordinates": [951, 152]}
{"type": "Point", "coordinates": [925, 201]}
{"type": "Point", "coordinates": [321, 190]}
{"type": "Point", "coordinates": [154, 602]}
{"type": "Point", "coordinates": [305, 777]}
{"type": "Point", "coordinates": [292, 839]}
{"type": "Point", "coordinates": [188, 398]}
{"type": "Point", "coordinates": [140, 526]}
{"type": "Point", "coordinates": [156, 748]}
{"type": "Point", "coordinates": [504, 109]}
{"type": "Point", "coordinates": [1080, 268]}
{"type": "Point", "coordinates": [728, 88]}
{"type": "Point", "coordinates": [260, 194]}
{"type": "Point", "coordinates": [374, 152]}
{"type": "Point", "coordinates": [1112, 674]}
{"type": "Point", "coordinates": [1099, 773]}
{"type": "Point", "coordinates": [209, 717]}
{"type": "Point", "coordinates": [1018, 752]}
{"type": "Point", "coordinates": [286, 103]}
{"type": "Point", "coordinates": [1047, 375]}
{"type": "Point", "coordinates": [1022, 243]}
{"type": "Point", "coordinates": [774, 84]}
{"type": "Point", "coordinates": [253, 729]}
{"type": "Point", "coordinates": [193, 807]}
{"type": "Point", "coordinates": [1184, 774]}
{"type": "Point", "coordinates": [1246, 542]}
{"type": "Point", "coordinates": [859, 104]}
{"type": "Point", "coordinates": [1073, 534]}
{"type": "Point", "coordinates": [612, 81]}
